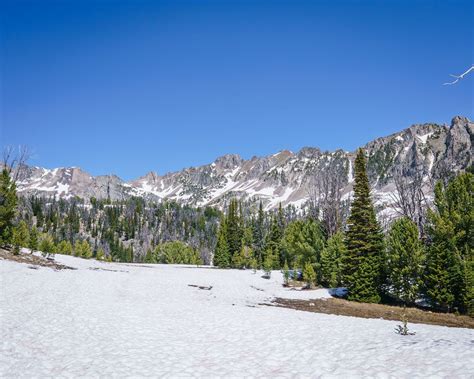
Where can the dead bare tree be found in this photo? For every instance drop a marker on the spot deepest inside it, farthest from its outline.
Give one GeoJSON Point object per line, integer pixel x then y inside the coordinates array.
{"type": "Point", "coordinates": [14, 161]}
{"type": "Point", "coordinates": [459, 77]}
{"type": "Point", "coordinates": [325, 199]}
{"type": "Point", "coordinates": [409, 199]}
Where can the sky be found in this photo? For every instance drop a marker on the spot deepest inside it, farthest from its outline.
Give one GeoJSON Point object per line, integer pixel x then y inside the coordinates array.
{"type": "Point", "coordinates": [128, 87]}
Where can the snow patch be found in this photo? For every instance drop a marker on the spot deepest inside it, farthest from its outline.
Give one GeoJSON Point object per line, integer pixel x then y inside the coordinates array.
{"type": "Point", "coordinates": [123, 320]}
{"type": "Point", "coordinates": [423, 138]}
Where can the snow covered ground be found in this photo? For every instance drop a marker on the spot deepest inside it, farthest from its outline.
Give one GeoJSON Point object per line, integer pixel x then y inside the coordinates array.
{"type": "Point", "coordinates": [144, 320]}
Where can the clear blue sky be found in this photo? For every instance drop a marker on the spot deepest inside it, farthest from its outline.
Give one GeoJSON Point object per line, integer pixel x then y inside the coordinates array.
{"type": "Point", "coordinates": [129, 87]}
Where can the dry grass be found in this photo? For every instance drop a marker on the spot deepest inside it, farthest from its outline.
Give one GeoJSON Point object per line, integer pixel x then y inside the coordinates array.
{"type": "Point", "coordinates": [33, 260]}
{"type": "Point", "coordinates": [386, 312]}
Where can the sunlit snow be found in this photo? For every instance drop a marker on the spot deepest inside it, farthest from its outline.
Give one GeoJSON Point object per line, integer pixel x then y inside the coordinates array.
{"type": "Point", "coordinates": [111, 319]}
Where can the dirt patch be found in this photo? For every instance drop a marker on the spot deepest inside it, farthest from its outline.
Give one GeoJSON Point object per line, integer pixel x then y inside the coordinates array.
{"type": "Point", "coordinates": [32, 260]}
{"type": "Point", "coordinates": [387, 312]}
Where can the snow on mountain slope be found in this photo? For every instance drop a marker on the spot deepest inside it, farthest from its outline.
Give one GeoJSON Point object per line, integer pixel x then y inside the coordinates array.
{"type": "Point", "coordinates": [284, 177]}
{"type": "Point", "coordinates": [122, 320]}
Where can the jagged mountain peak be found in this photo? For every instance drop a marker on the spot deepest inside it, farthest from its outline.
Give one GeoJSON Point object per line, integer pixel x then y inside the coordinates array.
{"type": "Point", "coordinates": [228, 161]}
{"type": "Point", "coordinates": [284, 177]}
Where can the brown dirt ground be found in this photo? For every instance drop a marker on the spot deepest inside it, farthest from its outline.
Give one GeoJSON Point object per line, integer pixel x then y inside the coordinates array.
{"type": "Point", "coordinates": [386, 312]}
{"type": "Point", "coordinates": [33, 260]}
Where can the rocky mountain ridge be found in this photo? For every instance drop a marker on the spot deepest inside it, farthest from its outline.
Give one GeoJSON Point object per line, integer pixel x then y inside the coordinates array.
{"type": "Point", "coordinates": [432, 150]}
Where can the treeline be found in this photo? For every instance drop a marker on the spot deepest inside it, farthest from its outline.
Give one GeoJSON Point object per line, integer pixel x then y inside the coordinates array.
{"type": "Point", "coordinates": [124, 231]}
{"type": "Point", "coordinates": [132, 230]}
{"type": "Point", "coordinates": [374, 266]}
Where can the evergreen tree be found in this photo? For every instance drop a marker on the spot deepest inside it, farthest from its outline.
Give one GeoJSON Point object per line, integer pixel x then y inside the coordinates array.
{"type": "Point", "coordinates": [8, 203]}
{"type": "Point", "coordinates": [405, 259]}
{"type": "Point", "coordinates": [47, 245]}
{"type": "Point", "coordinates": [286, 274]}
{"type": "Point", "coordinates": [177, 252]}
{"type": "Point", "coordinates": [221, 252]}
{"type": "Point", "coordinates": [309, 275]}
{"type": "Point", "coordinates": [331, 260]}
{"type": "Point", "coordinates": [302, 242]}
{"type": "Point", "coordinates": [128, 254]}
{"type": "Point", "coordinates": [34, 239]}
{"type": "Point", "coordinates": [281, 219]}
{"type": "Point", "coordinates": [234, 228]}
{"type": "Point", "coordinates": [364, 240]}
{"type": "Point", "coordinates": [86, 250]}
{"type": "Point", "coordinates": [242, 260]}
{"type": "Point", "coordinates": [100, 255]}
{"type": "Point", "coordinates": [149, 257]}
{"type": "Point", "coordinates": [78, 248]}
{"type": "Point", "coordinates": [273, 242]}
{"type": "Point", "coordinates": [258, 234]}
{"type": "Point", "coordinates": [21, 237]}
{"type": "Point", "coordinates": [254, 264]}
{"type": "Point", "coordinates": [64, 247]}
{"type": "Point", "coordinates": [268, 263]}
{"type": "Point", "coordinates": [449, 277]}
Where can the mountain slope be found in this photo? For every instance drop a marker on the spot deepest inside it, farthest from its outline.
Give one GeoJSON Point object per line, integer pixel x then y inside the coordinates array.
{"type": "Point", "coordinates": [285, 177]}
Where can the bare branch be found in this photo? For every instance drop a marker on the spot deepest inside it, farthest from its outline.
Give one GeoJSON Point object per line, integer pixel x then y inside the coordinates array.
{"type": "Point", "coordinates": [409, 199]}
{"type": "Point", "coordinates": [459, 77]}
{"type": "Point", "coordinates": [15, 161]}
{"type": "Point", "coordinates": [324, 190]}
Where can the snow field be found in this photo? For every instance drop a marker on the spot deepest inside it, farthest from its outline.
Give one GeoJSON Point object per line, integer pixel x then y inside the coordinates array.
{"type": "Point", "coordinates": [144, 320]}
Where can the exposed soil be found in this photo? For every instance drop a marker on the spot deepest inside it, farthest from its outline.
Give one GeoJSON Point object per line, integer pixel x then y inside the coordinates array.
{"type": "Point", "coordinates": [33, 260]}
{"type": "Point", "coordinates": [386, 312]}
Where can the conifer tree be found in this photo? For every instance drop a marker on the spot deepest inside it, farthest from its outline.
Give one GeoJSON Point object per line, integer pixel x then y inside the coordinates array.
{"type": "Point", "coordinates": [405, 259]}
{"type": "Point", "coordinates": [234, 229]}
{"type": "Point", "coordinates": [449, 277]}
{"type": "Point", "coordinates": [254, 264]}
{"type": "Point", "coordinates": [78, 248]}
{"type": "Point", "coordinates": [258, 234]}
{"type": "Point", "coordinates": [309, 275]}
{"type": "Point", "coordinates": [273, 242]}
{"type": "Point", "coordinates": [242, 260]}
{"type": "Point", "coordinates": [302, 242]}
{"type": "Point", "coordinates": [64, 247]}
{"type": "Point", "coordinates": [20, 236]}
{"type": "Point", "coordinates": [331, 260]}
{"type": "Point", "coordinates": [281, 219]}
{"type": "Point", "coordinates": [268, 263]}
{"type": "Point", "coordinates": [364, 240]}
{"type": "Point", "coordinates": [34, 239]}
{"type": "Point", "coordinates": [286, 274]}
{"type": "Point", "coordinates": [8, 203]}
{"type": "Point", "coordinates": [221, 252]}
{"type": "Point", "coordinates": [149, 257]}
{"type": "Point", "coordinates": [86, 250]}
{"type": "Point", "coordinates": [47, 245]}
{"type": "Point", "coordinates": [100, 255]}
{"type": "Point", "coordinates": [129, 254]}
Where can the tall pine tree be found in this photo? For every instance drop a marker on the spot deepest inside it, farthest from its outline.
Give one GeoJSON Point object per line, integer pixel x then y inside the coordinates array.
{"type": "Point", "coordinates": [364, 240]}
{"type": "Point", "coordinates": [405, 259]}
{"type": "Point", "coordinates": [259, 235]}
{"type": "Point", "coordinates": [221, 252]}
{"type": "Point", "coordinates": [234, 229]}
{"type": "Point", "coordinates": [449, 274]}
{"type": "Point", "coordinates": [331, 256]}
{"type": "Point", "coordinates": [8, 203]}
